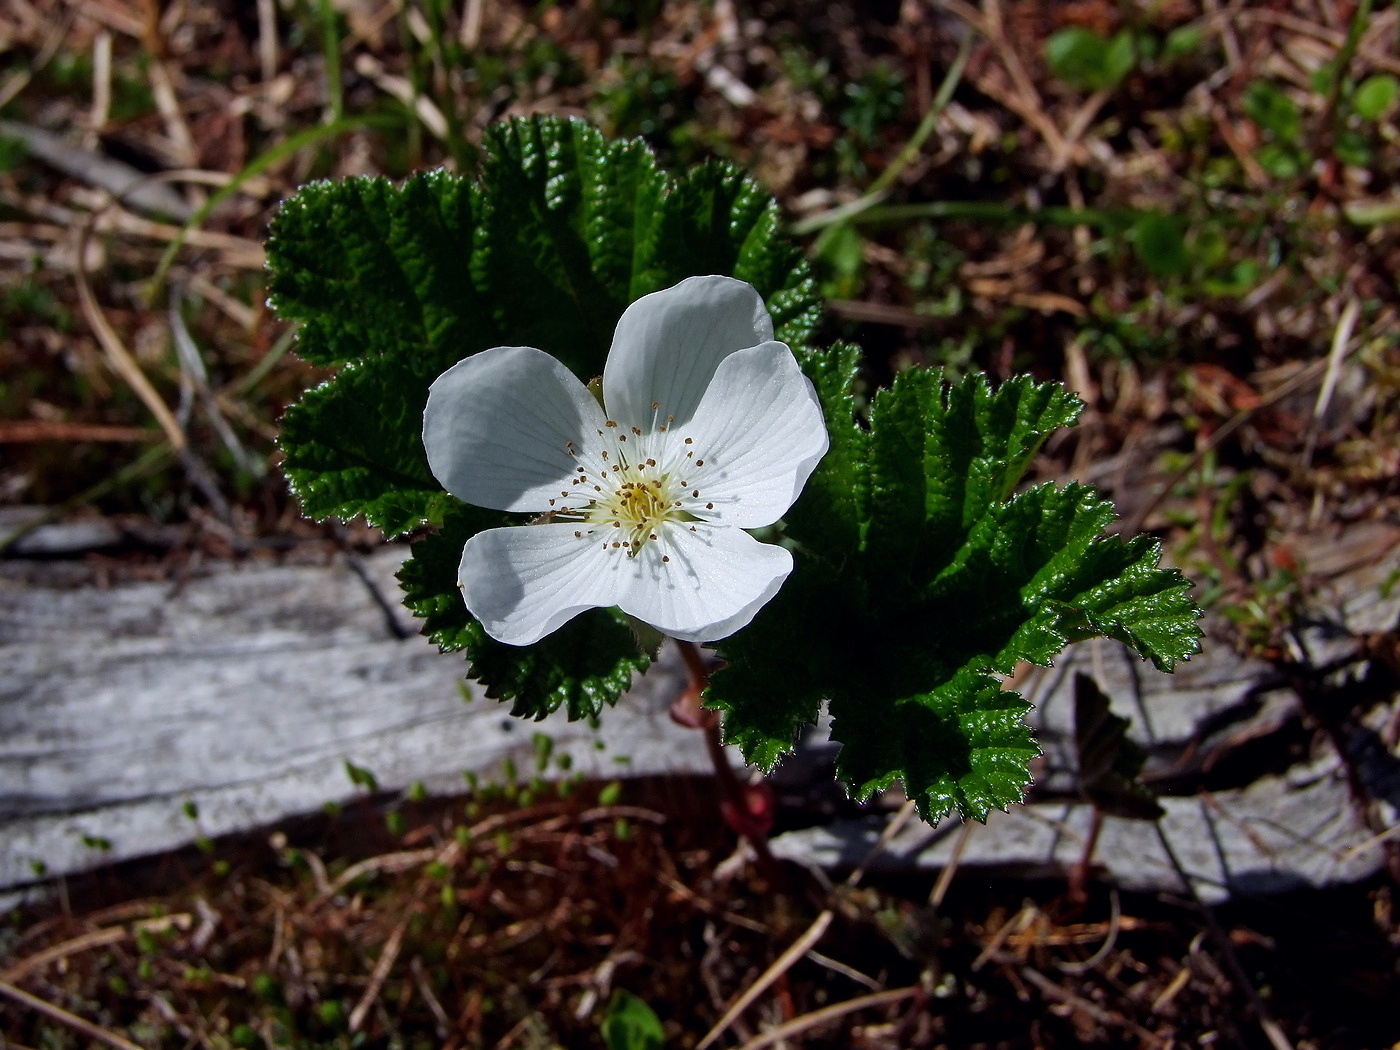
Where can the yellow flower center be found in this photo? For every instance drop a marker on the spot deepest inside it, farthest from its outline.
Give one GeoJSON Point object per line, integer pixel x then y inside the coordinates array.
{"type": "Point", "coordinates": [622, 496]}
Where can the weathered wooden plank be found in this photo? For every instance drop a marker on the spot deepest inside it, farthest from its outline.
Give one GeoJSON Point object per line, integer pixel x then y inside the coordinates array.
{"type": "Point", "coordinates": [1273, 836]}
{"type": "Point", "coordinates": [245, 692]}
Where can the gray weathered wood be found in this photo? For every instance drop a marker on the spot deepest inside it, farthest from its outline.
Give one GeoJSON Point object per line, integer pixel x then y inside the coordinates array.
{"type": "Point", "coordinates": [245, 692]}
{"type": "Point", "coordinates": [246, 689]}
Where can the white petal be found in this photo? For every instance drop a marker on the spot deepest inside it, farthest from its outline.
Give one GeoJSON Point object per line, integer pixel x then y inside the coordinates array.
{"type": "Point", "coordinates": [758, 434]}
{"type": "Point", "coordinates": [716, 580]}
{"type": "Point", "coordinates": [668, 345]}
{"type": "Point", "coordinates": [497, 427]}
{"type": "Point", "coordinates": [526, 581]}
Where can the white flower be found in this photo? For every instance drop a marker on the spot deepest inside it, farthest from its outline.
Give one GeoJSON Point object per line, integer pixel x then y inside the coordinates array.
{"type": "Point", "coordinates": [711, 428]}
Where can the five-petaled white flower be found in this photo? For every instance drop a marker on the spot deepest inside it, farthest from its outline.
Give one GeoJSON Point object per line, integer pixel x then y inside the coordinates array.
{"type": "Point", "coordinates": [711, 428]}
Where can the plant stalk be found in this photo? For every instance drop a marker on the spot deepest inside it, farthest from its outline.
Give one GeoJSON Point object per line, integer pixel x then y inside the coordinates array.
{"type": "Point", "coordinates": [746, 809]}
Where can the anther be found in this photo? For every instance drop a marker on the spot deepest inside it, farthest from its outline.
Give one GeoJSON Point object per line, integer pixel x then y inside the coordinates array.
{"type": "Point", "coordinates": [610, 423]}
{"type": "Point", "coordinates": [709, 506]}
{"type": "Point", "coordinates": [699, 462]}
{"type": "Point", "coordinates": [578, 535]}
{"type": "Point", "coordinates": [655, 405]}
{"type": "Point", "coordinates": [651, 462]}
{"type": "Point", "coordinates": [637, 431]}
{"type": "Point", "coordinates": [695, 493]}
{"type": "Point", "coordinates": [665, 557]}
{"type": "Point", "coordinates": [690, 441]}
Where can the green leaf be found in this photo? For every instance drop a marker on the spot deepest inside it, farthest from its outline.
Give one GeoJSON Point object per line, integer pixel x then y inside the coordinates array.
{"type": "Point", "coordinates": [1280, 160]}
{"type": "Point", "coordinates": [1083, 59]}
{"type": "Point", "coordinates": [962, 746]}
{"type": "Point", "coordinates": [571, 224]}
{"type": "Point", "coordinates": [630, 1024]}
{"type": "Point", "coordinates": [581, 667]}
{"type": "Point", "coordinates": [766, 694]}
{"type": "Point", "coordinates": [393, 284]}
{"type": "Point", "coordinates": [1160, 244]}
{"type": "Point", "coordinates": [922, 576]}
{"type": "Point", "coordinates": [370, 269]}
{"type": "Point", "coordinates": [941, 456]}
{"type": "Point", "coordinates": [827, 519]}
{"type": "Point", "coordinates": [1273, 111]}
{"type": "Point", "coordinates": [1120, 58]}
{"type": "Point", "coordinates": [353, 448]}
{"type": "Point", "coordinates": [1375, 96]}
{"type": "Point", "coordinates": [1182, 42]}
{"type": "Point", "coordinates": [718, 220]}
{"type": "Point", "coordinates": [1109, 763]}
{"type": "Point", "coordinates": [1352, 147]}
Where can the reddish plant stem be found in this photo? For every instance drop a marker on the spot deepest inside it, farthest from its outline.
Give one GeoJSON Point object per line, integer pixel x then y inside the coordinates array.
{"type": "Point", "coordinates": [737, 800]}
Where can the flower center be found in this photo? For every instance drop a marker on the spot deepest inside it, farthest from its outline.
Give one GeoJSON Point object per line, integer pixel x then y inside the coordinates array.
{"type": "Point", "coordinates": [624, 491]}
{"type": "Point", "coordinates": [640, 500]}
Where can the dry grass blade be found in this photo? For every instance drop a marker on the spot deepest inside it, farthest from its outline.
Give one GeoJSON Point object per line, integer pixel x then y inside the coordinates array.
{"type": "Point", "coordinates": [117, 354]}
{"type": "Point", "coordinates": [62, 1016]}
{"type": "Point", "coordinates": [381, 972]}
{"type": "Point", "coordinates": [1341, 341]}
{"type": "Point", "coordinates": [808, 940]}
{"type": "Point", "coordinates": [88, 941]}
{"type": "Point", "coordinates": [18, 431]}
{"type": "Point", "coordinates": [827, 1014]}
{"type": "Point", "coordinates": [784, 962]}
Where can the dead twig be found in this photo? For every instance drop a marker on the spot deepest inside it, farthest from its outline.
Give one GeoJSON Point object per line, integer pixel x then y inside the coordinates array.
{"type": "Point", "coordinates": [827, 1014]}
{"type": "Point", "coordinates": [805, 943]}
{"type": "Point", "coordinates": [62, 1016]}
{"type": "Point", "coordinates": [1341, 341]}
{"type": "Point", "coordinates": [381, 971]}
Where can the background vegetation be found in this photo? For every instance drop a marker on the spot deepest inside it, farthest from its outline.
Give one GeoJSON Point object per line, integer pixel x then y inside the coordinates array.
{"type": "Point", "coordinates": [1187, 212]}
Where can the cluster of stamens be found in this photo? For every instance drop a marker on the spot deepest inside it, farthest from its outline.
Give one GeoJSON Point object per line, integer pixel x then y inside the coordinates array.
{"type": "Point", "coordinates": [622, 496]}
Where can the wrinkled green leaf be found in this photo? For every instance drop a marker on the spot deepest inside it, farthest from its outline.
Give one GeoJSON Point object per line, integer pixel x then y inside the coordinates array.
{"type": "Point", "coordinates": [930, 577]}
